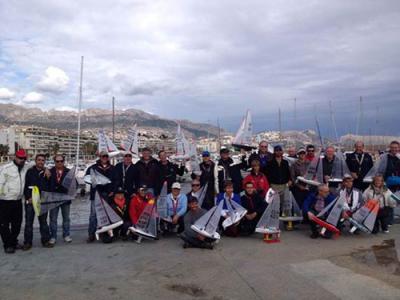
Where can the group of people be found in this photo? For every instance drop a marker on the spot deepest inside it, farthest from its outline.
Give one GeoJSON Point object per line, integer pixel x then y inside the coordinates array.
{"type": "Point", "coordinates": [133, 186]}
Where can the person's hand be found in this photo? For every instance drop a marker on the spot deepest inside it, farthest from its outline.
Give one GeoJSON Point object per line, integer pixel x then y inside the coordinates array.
{"type": "Point", "coordinates": [110, 194]}
{"type": "Point", "coordinates": [201, 237]}
{"type": "Point", "coordinates": [29, 201]}
{"type": "Point", "coordinates": [326, 177]}
{"type": "Point", "coordinates": [175, 219]}
{"type": "Point", "coordinates": [345, 215]}
{"type": "Point", "coordinates": [47, 173]}
{"type": "Point", "coordinates": [354, 175]}
{"type": "Point", "coordinates": [290, 183]}
{"type": "Point", "coordinates": [310, 215]}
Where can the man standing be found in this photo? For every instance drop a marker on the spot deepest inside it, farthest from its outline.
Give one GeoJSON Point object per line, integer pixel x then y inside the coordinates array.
{"type": "Point", "coordinates": [327, 163]}
{"type": "Point", "coordinates": [57, 175]}
{"type": "Point", "coordinates": [359, 163]}
{"type": "Point", "coordinates": [310, 149]}
{"type": "Point", "coordinates": [104, 167]}
{"type": "Point", "coordinates": [168, 170]}
{"type": "Point", "coordinates": [124, 174]}
{"type": "Point", "coordinates": [393, 161]}
{"type": "Point", "coordinates": [278, 172]}
{"type": "Point", "coordinates": [12, 182]}
{"type": "Point", "coordinates": [35, 176]}
{"type": "Point", "coordinates": [292, 152]}
{"type": "Point", "coordinates": [207, 168]}
{"type": "Point", "coordinates": [263, 156]}
{"type": "Point", "coordinates": [148, 172]}
{"type": "Point", "coordinates": [226, 169]}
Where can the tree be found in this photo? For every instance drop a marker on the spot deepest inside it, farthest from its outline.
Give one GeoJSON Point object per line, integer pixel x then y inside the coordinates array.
{"type": "Point", "coordinates": [4, 150]}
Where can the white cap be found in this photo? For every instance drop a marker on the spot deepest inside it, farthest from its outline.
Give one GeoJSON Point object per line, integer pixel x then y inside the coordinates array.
{"type": "Point", "coordinates": [176, 185]}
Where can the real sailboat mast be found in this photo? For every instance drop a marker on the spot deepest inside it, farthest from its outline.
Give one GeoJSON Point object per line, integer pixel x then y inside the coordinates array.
{"type": "Point", "coordinates": [79, 114]}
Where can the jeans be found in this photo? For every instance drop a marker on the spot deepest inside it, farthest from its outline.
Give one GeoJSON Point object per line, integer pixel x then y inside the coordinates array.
{"type": "Point", "coordinates": [10, 222]}
{"type": "Point", "coordinates": [92, 219]}
{"type": "Point", "coordinates": [29, 219]}
{"type": "Point", "coordinates": [66, 221]}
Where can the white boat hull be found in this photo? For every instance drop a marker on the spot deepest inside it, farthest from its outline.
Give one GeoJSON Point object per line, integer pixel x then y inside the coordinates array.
{"type": "Point", "coordinates": [267, 230]}
{"type": "Point", "coordinates": [291, 219]}
{"type": "Point", "coordinates": [142, 233]}
{"type": "Point", "coordinates": [108, 228]}
{"type": "Point", "coordinates": [233, 219]}
{"type": "Point", "coordinates": [214, 236]}
{"type": "Point", "coordinates": [308, 181]}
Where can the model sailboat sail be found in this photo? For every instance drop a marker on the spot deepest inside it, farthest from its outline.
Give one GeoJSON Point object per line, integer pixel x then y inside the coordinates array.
{"type": "Point", "coordinates": [131, 144]}
{"type": "Point", "coordinates": [44, 201]}
{"type": "Point", "coordinates": [364, 218]}
{"type": "Point", "coordinates": [207, 225]}
{"type": "Point", "coordinates": [105, 144]}
{"type": "Point", "coordinates": [162, 204]}
{"type": "Point", "coordinates": [314, 175]}
{"type": "Point", "coordinates": [107, 218]}
{"type": "Point", "coordinates": [269, 221]}
{"type": "Point", "coordinates": [201, 194]}
{"type": "Point", "coordinates": [147, 223]}
{"type": "Point", "coordinates": [290, 209]}
{"type": "Point", "coordinates": [182, 145]}
{"type": "Point", "coordinates": [95, 178]}
{"type": "Point", "coordinates": [193, 164]}
{"type": "Point", "coordinates": [243, 138]}
{"type": "Point", "coordinates": [234, 213]}
{"type": "Point", "coordinates": [339, 168]}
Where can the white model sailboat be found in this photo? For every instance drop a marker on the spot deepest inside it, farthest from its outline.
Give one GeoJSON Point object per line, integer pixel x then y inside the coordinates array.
{"type": "Point", "coordinates": [162, 208]}
{"type": "Point", "coordinates": [182, 146]}
{"type": "Point", "coordinates": [105, 144]}
{"type": "Point", "coordinates": [339, 168]}
{"type": "Point", "coordinates": [379, 167]}
{"type": "Point", "coordinates": [107, 218]}
{"type": "Point", "coordinates": [314, 175]}
{"type": "Point", "coordinates": [131, 144]}
{"type": "Point", "coordinates": [243, 137]}
{"type": "Point", "coordinates": [147, 224]}
{"type": "Point", "coordinates": [95, 178]}
{"type": "Point", "coordinates": [290, 209]}
{"type": "Point", "coordinates": [269, 221]}
{"type": "Point", "coordinates": [364, 218]}
{"type": "Point", "coordinates": [207, 225]}
{"type": "Point", "coordinates": [234, 213]}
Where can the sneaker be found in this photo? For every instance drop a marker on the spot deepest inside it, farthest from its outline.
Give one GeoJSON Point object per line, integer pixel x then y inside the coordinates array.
{"type": "Point", "coordinates": [91, 238]}
{"type": "Point", "coordinates": [386, 231]}
{"type": "Point", "coordinates": [139, 240]}
{"type": "Point", "coordinates": [52, 241]}
{"type": "Point", "coordinates": [26, 247]}
{"type": "Point", "coordinates": [68, 239]}
{"type": "Point", "coordinates": [9, 250]}
{"type": "Point", "coordinates": [19, 247]}
{"type": "Point", "coordinates": [185, 245]}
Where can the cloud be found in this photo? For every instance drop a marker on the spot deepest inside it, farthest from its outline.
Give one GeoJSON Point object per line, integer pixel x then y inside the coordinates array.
{"type": "Point", "coordinates": [32, 98]}
{"type": "Point", "coordinates": [66, 108]}
{"type": "Point", "coordinates": [185, 60]}
{"type": "Point", "coordinates": [6, 94]}
{"type": "Point", "coordinates": [54, 81]}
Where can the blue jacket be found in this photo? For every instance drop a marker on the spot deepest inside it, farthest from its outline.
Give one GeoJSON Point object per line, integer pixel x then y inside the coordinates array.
{"type": "Point", "coordinates": [181, 208]}
{"type": "Point", "coordinates": [236, 198]}
{"type": "Point", "coordinates": [309, 202]}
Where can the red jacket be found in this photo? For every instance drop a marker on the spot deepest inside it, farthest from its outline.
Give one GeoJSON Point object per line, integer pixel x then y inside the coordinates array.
{"type": "Point", "coordinates": [136, 207]}
{"type": "Point", "coordinates": [259, 181]}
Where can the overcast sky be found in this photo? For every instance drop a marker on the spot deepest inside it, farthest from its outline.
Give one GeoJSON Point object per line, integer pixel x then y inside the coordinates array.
{"type": "Point", "coordinates": [203, 59]}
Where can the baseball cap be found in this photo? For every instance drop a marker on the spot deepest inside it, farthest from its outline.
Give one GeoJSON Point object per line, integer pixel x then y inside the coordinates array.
{"type": "Point", "coordinates": [176, 185]}
{"type": "Point", "coordinates": [20, 153]}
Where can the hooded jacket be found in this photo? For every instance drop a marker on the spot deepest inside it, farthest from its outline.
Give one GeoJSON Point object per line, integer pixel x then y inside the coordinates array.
{"type": "Point", "coordinates": [12, 181]}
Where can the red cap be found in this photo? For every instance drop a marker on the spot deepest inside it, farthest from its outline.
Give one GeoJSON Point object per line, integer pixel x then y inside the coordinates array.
{"type": "Point", "coordinates": [20, 153]}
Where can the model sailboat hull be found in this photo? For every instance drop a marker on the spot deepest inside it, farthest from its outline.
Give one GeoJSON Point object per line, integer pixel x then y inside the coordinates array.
{"type": "Point", "coordinates": [214, 236]}
{"type": "Point", "coordinates": [142, 233]}
{"type": "Point", "coordinates": [325, 225]}
{"type": "Point", "coordinates": [358, 225]}
{"type": "Point", "coordinates": [308, 181]}
{"type": "Point", "coordinates": [291, 218]}
{"type": "Point", "coordinates": [268, 230]}
{"type": "Point", "coordinates": [244, 147]}
{"type": "Point", "coordinates": [233, 219]}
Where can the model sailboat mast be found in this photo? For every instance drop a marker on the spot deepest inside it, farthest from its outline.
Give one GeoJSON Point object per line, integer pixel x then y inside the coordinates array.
{"type": "Point", "coordinates": [79, 114]}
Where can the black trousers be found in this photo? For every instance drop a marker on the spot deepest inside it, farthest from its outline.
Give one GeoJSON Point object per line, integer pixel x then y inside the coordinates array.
{"type": "Point", "coordinates": [29, 219]}
{"type": "Point", "coordinates": [194, 242]}
{"type": "Point", "coordinates": [382, 219]}
{"type": "Point", "coordinates": [10, 222]}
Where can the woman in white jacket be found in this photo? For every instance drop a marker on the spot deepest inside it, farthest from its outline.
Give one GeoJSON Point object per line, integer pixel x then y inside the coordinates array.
{"type": "Point", "coordinates": [378, 191]}
{"type": "Point", "coordinates": [12, 182]}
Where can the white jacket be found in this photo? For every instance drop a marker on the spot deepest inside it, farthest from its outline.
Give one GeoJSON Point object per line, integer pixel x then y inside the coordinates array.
{"type": "Point", "coordinates": [383, 196]}
{"type": "Point", "coordinates": [12, 182]}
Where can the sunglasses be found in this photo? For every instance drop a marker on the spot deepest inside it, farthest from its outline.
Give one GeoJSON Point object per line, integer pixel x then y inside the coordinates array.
{"type": "Point", "coordinates": [310, 150]}
{"type": "Point", "coordinates": [195, 184]}
{"type": "Point", "coordinates": [59, 161]}
{"type": "Point", "coordinates": [104, 156]}
{"type": "Point", "coordinates": [128, 155]}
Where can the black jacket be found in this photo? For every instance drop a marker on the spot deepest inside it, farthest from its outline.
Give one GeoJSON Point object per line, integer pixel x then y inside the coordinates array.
{"type": "Point", "coordinates": [34, 177]}
{"type": "Point", "coordinates": [327, 166]}
{"type": "Point", "coordinates": [148, 174]}
{"type": "Point", "coordinates": [232, 172]}
{"type": "Point", "coordinates": [278, 174]}
{"type": "Point", "coordinates": [106, 171]}
{"type": "Point", "coordinates": [124, 177]}
{"type": "Point", "coordinates": [359, 165]}
{"type": "Point", "coordinates": [55, 182]}
{"type": "Point", "coordinates": [168, 172]}
{"type": "Point", "coordinates": [254, 203]}
{"type": "Point", "coordinates": [392, 167]}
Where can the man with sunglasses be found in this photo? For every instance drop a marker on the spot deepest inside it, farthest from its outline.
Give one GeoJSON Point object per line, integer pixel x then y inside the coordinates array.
{"type": "Point", "coordinates": [168, 170]}
{"type": "Point", "coordinates": [124, 174]}
{"type": "Point", "coordinates": [310, 152]}
{"type": "Point", "coordinates": [263, 156]}
{"type": "Point", "coordinates": [104, 167]}
{"type": "Point", "coordinates": [36, 176]}
{"type": "Point", "coordinates": [12, 183]}
{"type": "Point", "coordinates": [57, 175]}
